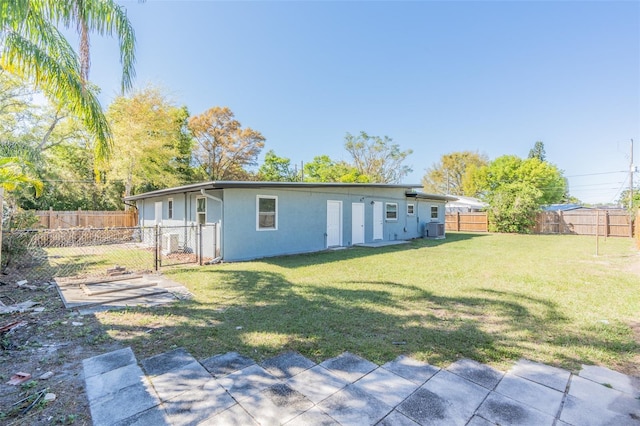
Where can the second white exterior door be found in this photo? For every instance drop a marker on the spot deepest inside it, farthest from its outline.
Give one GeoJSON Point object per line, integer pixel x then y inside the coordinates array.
{"type": "Point", "coordinates": [334, 223]}
{"type": "Point", "coordinates": [378, 220]}
{"type": "Point", "coordinates": [357, 223]}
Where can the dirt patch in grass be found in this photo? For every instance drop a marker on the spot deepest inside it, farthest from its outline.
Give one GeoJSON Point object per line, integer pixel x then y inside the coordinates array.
{"type": "Point", "coordinates": [54, 340]}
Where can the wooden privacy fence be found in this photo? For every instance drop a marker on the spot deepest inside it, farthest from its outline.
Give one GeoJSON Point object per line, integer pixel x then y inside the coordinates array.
{"type": "Point", "coordinates": [52, 219]}
{"type": "Point", "coordinates": [467, 222]}
{"type": "Point", "coordinates": [610, 223]}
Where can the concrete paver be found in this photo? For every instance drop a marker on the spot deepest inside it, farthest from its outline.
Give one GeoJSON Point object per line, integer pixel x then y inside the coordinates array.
{"type": "Point", "coordinates": [230, 389]}
{"type": "Point", "coordinates": [411, 369]}
{"type": "Point", "coordinates": [505, 411]}
{"type": "Point", "coordinates": [553, 377]}
{"type": "Point", "coordinates": [533, 394]}
{"type": "Point", "coordinates": [353, 406]}
{"type": "Point", "coordinates": [478, 373]}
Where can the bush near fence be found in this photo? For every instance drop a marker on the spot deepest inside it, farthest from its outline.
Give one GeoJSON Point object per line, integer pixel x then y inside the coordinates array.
{"type": "Point", "coordinates": [611, 223]}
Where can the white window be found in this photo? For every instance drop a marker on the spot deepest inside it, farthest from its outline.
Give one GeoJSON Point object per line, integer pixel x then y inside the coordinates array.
{"type": "Point", "coordinates": [201, 210]}
{"type": "Point", "coordinates": [170, 208]}
{"type": "Point", "coordinates": [391, 210]}
{"type": "Point", "coordinates": [410, 209]}
{"type": "Point", "coordinates": [434, 212]}
{"type": "Point", "coordinates": [266, 213]}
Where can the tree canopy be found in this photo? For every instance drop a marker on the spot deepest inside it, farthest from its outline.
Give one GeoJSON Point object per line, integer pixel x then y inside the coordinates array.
{"type": "Point", "coordinates": [378, 158]}
{"type": "Point", "coordinates": [448, 176]}
{"type": "Point", "coordinates": [32, 47]}
{"type": "Point", "coordinates": [224, 148]}
{"type": "Point", "coordinates": [277, 169]}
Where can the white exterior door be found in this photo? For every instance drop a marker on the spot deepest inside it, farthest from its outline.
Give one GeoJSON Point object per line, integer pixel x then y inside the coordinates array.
{"type": "Point", "coordinates": [158, 209]}
{"type": "Point", "coordinates": [334, 223]}
{"type": "Point", "coordinates": [377, 220]}
{"type": "Point", "coordinates": [357, 223]}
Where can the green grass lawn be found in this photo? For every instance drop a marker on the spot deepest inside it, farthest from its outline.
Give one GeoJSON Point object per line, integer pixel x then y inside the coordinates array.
{"type": "Point", "coordinates": [491, 297]}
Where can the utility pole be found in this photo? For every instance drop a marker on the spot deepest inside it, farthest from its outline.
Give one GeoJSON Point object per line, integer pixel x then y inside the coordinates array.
{"type": "Point", "coordinates": [631, 212]}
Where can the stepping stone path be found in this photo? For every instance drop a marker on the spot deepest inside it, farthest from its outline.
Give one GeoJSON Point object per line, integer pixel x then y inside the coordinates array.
{"type": "Point", "coordinates": [174, 388]}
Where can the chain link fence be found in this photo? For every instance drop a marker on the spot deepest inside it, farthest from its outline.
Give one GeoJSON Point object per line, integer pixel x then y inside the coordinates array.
{"type": "Point", "coordinates": [94, 253]}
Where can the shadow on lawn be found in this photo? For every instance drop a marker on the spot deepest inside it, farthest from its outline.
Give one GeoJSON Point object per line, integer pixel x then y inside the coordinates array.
{"type": "Point", "coordinates": [265, 314]}
{"type": "Point", "coordinates": [356, 252]}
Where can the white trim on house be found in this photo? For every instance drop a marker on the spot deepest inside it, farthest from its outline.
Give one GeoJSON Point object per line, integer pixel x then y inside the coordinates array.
{"type": "Point", "coordinates": [391, 215]}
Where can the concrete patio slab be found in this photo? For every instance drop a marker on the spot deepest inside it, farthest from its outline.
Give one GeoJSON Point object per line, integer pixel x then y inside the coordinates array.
{"type": "Point", "coordinates": [287, 365]}
{"type": "Point", "coordinates": [553, 377]}
{"type": "Point", "coordinates": [313, 417]}
{"type": "Point", "coordinates": [580, 412]}
{"type": "Point", "coordinates": [290, 389]}
{"type": "Point", "coordinates": [605, 397]}
{"type": "Point", "coordinates": [481, 374]}
{"type": "Point", "coordinates": [353, 406]}
{"type": "Point", "coordinates": [233, 416]}
{"type": "Point", "coordinates": [349, 366]}
{"type": "Point", "coordinates": [248, 381]}
{"type": "Point", "coordinates": [446, 399]}
{"type": "Point", "coordinates": [195, 405]}
{"type": "Point", "coordinates": [163, 363]}
{"type": "Point", "coordinates": [276, 405]}
{"type": "Point", "coordinates": [107, 362]}
{"type": "Point", "coordinates": [530, 393]}
{"type": "Point", "coordinates": [618, 381]}
{"type": "Point", "coordinates": [386, 386]}
{"type": "Point", "coordinates": [317, 383]}
{"type": "Point", "coordinates": [123, 403]}
{"type": "Point", "coordinates": [100, 385]}
{"type": "Point", "coordinates": [505, 411]}
{"type": "Point", "coordinates": [395, 418]}
{"type": "Point", "coordinates": [180, 380]}
{"type": "Point", "coordinates": [223, 364]}
{"type": "Point", "coordinates": [154, 416]}
{"type": "Point", "coordinates": [411, 369]}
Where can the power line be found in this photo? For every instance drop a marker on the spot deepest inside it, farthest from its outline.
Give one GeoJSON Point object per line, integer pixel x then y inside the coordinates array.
{"type": "Point", "coordinates": [596, 174]}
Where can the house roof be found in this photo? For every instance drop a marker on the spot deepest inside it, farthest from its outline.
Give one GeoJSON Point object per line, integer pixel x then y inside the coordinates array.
{"type": "Point", "coordinates": [563, 207]}
{"type": "Point", "coordinates": [196, 187]}
{"type": "Point", "coordinates": [471, 202]}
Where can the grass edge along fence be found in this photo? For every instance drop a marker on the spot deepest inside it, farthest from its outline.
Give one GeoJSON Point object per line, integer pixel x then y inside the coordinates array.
{"type": "Point", "coordinates": [610, 223]}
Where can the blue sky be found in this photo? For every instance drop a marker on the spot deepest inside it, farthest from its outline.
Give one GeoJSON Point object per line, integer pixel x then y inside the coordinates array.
{"type": "Point", "coordinates": [436, 77]}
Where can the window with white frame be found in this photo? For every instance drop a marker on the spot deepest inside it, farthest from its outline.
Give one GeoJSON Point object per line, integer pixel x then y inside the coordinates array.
{"type": "Point", "coordinates": [434, 212]}
{"type": "Point", "coordinates": [410, 209]}
{"type": "Point", "coordinates": [201, 210]}
{"type": "Point", "coordinates": [267, 213]}
{"type": "Point", "coordinates": [170, 208]}
{"type": "Point", "coordinates": [391, 211]}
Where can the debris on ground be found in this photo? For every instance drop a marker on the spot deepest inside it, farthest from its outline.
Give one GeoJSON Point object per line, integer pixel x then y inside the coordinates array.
{"type": "Point", "coordinates": [7, 328]}
{"type": "Point", "coordinates": [19, 377]}
{"type": "Point", "coordinates": [49, 397]}
{"type": "Point", "coordinates": [18, 307]}
{"type": "Point", "coordinates": [116, 270]}
{"type": "Point", "coordinates": [46, 376]}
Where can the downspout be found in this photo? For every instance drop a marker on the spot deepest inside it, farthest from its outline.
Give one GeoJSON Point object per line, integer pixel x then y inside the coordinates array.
{"type": "Point", "coordinates": [221, 221]}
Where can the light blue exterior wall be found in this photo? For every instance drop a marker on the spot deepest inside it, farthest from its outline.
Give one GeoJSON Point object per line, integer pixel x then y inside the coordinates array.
{"type": "Point", "coordinates": [301, 217]}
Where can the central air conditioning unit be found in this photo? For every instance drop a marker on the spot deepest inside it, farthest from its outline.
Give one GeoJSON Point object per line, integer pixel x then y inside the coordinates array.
{"type": "Point", "coordinates": [434, 230]}
{"type": "Point", "coordinates": [170, 243]}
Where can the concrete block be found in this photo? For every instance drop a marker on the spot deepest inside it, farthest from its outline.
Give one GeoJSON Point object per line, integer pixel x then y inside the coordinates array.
{"type": "Point", "coordinates": [386, 386]}
{"type": "Point", "coordinates": [411, 369]}
{"type": "Point", "coordinates": [481, 374]}
{"type": "Point", "coordinates": [353, 406]}
{"type": "Point", "coordinates": [112, 381]}
{"type": "Point", "coordinates": [317, 383]}
{"type": "Point", "coordinates": [234, 416]}
{"type": "Point", "coordinates": [618, 381]}
{"type": "Point", "coordinates": [124, 403]}
{"type": "Point", "coordinates": [180, 380]}
{"type": "Point", "coordinates": [106, 362]}
{"type": "Point", "coordinates": [349, 366]}
{"type": "Point", "coordinates": [195, 405]}
{"type": "Point", "coordinates": [505, 411]}
{"type": "Point", "coordinates": [397, 419]}
{"type": "Point", "coordinates": [287, 365]}
{"type": "Point", "coordinates": [167, 361]}
{"type": "Point", "coordinates": [223, 364]}
{"type": "Point", "coordinates": [248, 381]}
{"type": "Point", "coordinates": [553, 377]}
{"type": "Point", "coordinates": [276, 405]}
{"type": "Point", "coordinates": [314, 416]}
{"type": "Point", "coordinates": [533, 394]}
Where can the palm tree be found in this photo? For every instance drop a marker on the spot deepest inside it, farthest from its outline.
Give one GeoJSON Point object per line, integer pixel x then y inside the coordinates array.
{"type": "Point", "coordinates": [32, 47]}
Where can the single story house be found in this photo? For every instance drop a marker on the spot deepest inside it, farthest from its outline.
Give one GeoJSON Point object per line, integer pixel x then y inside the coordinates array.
{"type": "Point", "coordinates": [262, 219]}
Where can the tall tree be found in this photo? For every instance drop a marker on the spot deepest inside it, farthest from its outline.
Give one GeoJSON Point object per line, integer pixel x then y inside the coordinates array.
{"type": "Point", "coordinates": [224, 149]}
{"type": "Point", "coordinates": [277, 169]}
{"type": "Point", "coordinates": [379, 158]}
{"type": "Point", "coordinates": [147, 131]}
{"type": "Point", "coordinates": [448, 176]}
{"type": "Point", "coordinates": [538, 151]}
{"type": "Point", "coordinates": [32, 47]}
{"type": "Point", "coordinates": [324, 169]}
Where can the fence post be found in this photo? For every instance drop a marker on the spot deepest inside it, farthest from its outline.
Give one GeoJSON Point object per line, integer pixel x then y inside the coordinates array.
{"type": "Point", "coordinates": [157, 247]}
{"type": "Point", "coordinates": [458, 221]}
{"type": "Point", "coordinates": [606, 224]}
{"type": "Point", "coordinates": [200, 247]}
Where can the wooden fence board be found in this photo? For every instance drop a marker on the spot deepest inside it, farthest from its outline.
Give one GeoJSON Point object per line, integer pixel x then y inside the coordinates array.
{"type": "Point", "coordinates": [610, 223]}
{"type": "Point", "coordinates": [52, 219]}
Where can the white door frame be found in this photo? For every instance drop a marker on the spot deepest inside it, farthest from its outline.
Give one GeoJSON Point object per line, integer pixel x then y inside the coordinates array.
{"type": "Point", "coordinates": [378, 221]}
{"type": "Point", "coordinates": [357, 223]}
{"type": "Point", "coordinates": [334, 233]}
